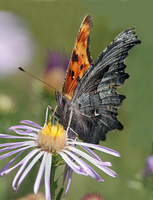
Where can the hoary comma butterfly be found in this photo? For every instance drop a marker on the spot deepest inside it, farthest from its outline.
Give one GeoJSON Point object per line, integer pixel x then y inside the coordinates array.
{"type": "Point", "coordinates": [88, 104]}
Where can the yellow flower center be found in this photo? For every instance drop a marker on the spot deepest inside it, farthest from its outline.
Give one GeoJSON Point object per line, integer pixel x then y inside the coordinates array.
{"type": "Point", "coordinates": [52, 138]}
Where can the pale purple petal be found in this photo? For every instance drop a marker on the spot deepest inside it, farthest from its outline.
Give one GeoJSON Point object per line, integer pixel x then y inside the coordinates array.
{"type": "Point", "coordinates": [47, 176]}
{"type": "Point", "coordinates": [27, 133]}
{"type": "Point", "coordinates": [101, 165]}
{"type": "Point", "coordinates": [108, 171]}
{"type": "Point", "coordinates": [13, 152]}
{"type": "Point", "coordinates": [29, 122]}
{"type": "Point", "coordinates": [24, 161]}
{"type": "Point", "coordinates": [73, 166]}
{"type": "Point", "coordinates": [17, 137]}
{"type": "Point", "coordinates": [40, 173]}
{"type": "Point", "coordinates": [8, 164]}
{"type": "Point", "coordinates": [17, 145]}
{"type": "Point", "coordinates": [69, 180]}
{"type": "Point", "coordinates": [11, 144]}
{"type": "Point", "coordinates": [15, 166]}
{"type": "Point", "coordinates": [65, 173]}
{"type": "Point", "coordinates": [85, 166]}
{"type": "Point", "coordinates": [97, 147]}
{"type": "Point", "coordinates": [15, 128]}
{"type": "Point", "coordinates": [33, 162]}
{"type": "Point", "coordinates": [91, 152]}
{"type": "Point", "coordinates": [89, 158]}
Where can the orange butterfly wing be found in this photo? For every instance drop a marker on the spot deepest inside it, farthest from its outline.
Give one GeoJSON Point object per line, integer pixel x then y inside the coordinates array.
{"type": "Point", "coordinates": [80, 59]}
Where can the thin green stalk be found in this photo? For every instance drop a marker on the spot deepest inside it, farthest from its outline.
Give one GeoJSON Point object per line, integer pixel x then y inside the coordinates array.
{"type": "Point", "coordinates": [52, 183]}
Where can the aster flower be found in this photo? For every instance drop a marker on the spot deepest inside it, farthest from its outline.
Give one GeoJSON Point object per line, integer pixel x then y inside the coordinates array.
{"type": "Point", "coordinates": [148, 175]}
{"type": "Point", "coordinates": [50, 145]}
{"type": "Point", "coordinates": [93, 196]}
{"type": "Point", "coordinates": [55, 69]}
{"type": "Point", "coordinates": [17, 45]}
{"type": "Point", "coordinates": [38, 196]}
{"type": "Point", "coordinates": [149, 166]}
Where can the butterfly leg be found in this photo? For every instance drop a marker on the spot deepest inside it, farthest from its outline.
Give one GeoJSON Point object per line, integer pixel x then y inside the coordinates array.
{"type": "Point", "coordinates": [53, 113]}
{"type": "Point", "coordinates": [49, 107]}
{"type": "Point", "coordinates": [46, 116]}
{"type": "Point", "coordinates": [69, 123]}
{"type": "Point", "coordinates": [68, 127]}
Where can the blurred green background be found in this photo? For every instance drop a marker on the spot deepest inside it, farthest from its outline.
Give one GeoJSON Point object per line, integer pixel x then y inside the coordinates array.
{"type": "Point", "coordinates": [53, 25]}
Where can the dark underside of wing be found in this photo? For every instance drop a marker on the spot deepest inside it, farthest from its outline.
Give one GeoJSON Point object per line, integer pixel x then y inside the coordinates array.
{"type": "Point", "coordinates": [95, 98]}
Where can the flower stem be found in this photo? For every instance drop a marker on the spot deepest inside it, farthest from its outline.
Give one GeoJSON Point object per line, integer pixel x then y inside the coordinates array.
{"type": "Point", "coordinates": [52, 183]}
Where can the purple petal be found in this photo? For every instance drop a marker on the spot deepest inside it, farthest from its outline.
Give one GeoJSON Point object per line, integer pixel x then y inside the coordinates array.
{"type": "Point", "coordinates": [91, 152]}
{"type": "Point", "coordinates": [89, 158]}
{"type": "Point", "coordinates": [85, 166]}
{"type": "Point", "coordinates": [108, 171]}
{"type": "Point", "coordinates": [30, 123]}
{"type": "Point", "coordinates": [17, 137]}
{"type": "Point", "coordinates": [97, 147]}
{"type": "Point", "coordinates": [8, 164]}
{"type": "Point", "coordinates": [33, 162]}
{"type": "Point", "coordinates": [47, 176]}
{"type": "Point", "coordinates": [10, 144]}
{"type": "Point", "coordinates": [26, 132]}
{"type": "Point", "coordinates": [65, 173]}
{"type": "Point", "coordinates": [40, 173]}
{"type": "Point", "coordinates": [69, 180]}
{"type": "Point", "coordinates": [15, 128]}
{"type": "Point", "coordinates": [7, 171]}
{"type": "Point", "coordinates": [13, 152]}
{"type": "Point", "coordinates": [101, 165]}
{"type": "Point", "coordinates": [73, 166]}
{"type": "Point", "coordinates": [17, 145]}
{"type": "Point", "coordinates": [24, 163]}
{"type": "Point", "coordinates": [15, 166]}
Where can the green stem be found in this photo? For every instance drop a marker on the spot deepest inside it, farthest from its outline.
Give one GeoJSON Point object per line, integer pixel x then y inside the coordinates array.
{"type": "Point", "coordinates": [52, 183]}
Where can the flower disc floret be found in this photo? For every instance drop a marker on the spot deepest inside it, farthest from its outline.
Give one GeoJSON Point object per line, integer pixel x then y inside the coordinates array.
{"type": "Point", "coordinates": [52, 138]}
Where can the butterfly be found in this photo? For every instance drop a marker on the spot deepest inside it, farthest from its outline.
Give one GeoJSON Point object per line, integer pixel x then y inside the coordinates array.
{"type": "Point", "coordinates": [88, 104]}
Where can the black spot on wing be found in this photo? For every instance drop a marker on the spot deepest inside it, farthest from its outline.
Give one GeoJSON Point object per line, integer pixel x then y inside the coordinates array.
{"type": "Point", "coordinates": [74, 57]}
{"type": "Point", "coordinates": [72, 75]}
{"type": "Point", "coordinates": [81, 67]}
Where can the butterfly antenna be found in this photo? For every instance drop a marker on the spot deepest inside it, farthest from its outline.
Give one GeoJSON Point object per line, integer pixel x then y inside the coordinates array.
{"type": "Point", "coordinates": [20, 68]}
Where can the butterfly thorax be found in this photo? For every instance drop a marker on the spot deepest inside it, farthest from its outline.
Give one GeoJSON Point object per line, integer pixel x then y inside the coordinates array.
{"type": "Point", "coordinates": [68, 113]}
